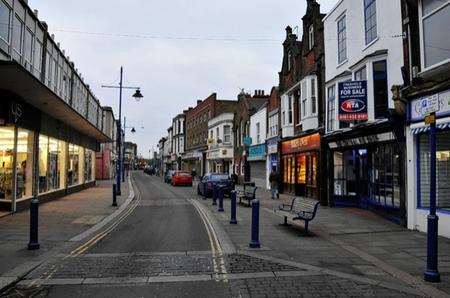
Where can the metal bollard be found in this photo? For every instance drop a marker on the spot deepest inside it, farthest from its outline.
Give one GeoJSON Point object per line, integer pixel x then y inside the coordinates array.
{"type": "Point", "coordinates": [220, 195]}
{"type": "Point", "coordinates": [254, 243]}
{"type": "Point", "coordinates": [214, 198]}
{"type": "Point", "coordinates": [114, 203]}
{"type": "Point", "coordinates": [34, 224]}
{"type": "Point", "coordinates": [233, 220]}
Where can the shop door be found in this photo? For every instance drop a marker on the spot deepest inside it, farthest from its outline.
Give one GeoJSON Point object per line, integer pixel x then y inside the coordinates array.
{"type": "Point", "coordinates": [288, 163]}
{"type": "Point", "coordinates": [311, 177]}
{"type": "Point", "coordinates": [362, 187]}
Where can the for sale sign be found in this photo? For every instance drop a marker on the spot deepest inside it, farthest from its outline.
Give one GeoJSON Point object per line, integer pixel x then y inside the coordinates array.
{"type": "Point", "coordinates": [353, 101]}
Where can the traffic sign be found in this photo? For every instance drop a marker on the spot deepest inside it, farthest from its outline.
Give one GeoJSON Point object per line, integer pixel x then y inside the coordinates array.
{"type": "Point", "coordinates": [430, 105]}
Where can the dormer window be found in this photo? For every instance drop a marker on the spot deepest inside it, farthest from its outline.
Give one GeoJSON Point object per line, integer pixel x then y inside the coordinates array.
{"type": "Point", "coordinates": [311, 36]}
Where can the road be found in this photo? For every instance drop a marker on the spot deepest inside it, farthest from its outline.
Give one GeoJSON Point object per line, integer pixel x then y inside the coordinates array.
{"type": "Point", "coordinates": [167, 243]}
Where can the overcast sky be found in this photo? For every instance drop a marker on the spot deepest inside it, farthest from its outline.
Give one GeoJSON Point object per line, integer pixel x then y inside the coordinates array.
{"type": "Point", "coordinates": [172, 73]}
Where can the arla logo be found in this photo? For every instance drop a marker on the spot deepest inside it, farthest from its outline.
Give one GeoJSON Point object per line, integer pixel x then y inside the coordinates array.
{"type": "Point", "coordinates": [353, 105]}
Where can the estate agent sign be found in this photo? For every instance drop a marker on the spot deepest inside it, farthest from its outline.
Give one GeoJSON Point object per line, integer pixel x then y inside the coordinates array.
{"type": "Point", "coordinates": [353, 101]}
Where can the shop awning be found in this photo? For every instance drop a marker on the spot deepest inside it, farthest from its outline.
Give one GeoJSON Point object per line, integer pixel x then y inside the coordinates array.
{"type": "Point", "coordinates": [16, 79]}
{"type": "Point", "coordinates": [424, 129]}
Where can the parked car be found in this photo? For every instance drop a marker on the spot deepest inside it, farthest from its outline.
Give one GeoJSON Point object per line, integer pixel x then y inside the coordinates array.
{"type": "Point", "coordinates": [168, 176]}
{"type": "Point", "coordinates": [181, 178]}
{"type": "Point", "coordinates": [205, 187]}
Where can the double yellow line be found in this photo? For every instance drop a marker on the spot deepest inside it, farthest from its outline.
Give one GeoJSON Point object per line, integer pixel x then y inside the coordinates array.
{"type": "Point", "coordinates": [91, 242]}
{"type": "Point", "coordinates": [220, 271]}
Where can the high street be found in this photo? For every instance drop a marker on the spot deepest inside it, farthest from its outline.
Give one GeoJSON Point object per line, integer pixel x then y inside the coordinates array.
{"type": "Point", "coordinates": [170, 242]}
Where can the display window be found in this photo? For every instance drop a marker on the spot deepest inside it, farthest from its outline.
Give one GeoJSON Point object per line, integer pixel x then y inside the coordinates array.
{"type": "Point", "coordinates": [6, 162]}
{"type": "Point", "coordinates": [88, 161]}
{"type": "Point", "coordinates": [51, 159]}
{"type": "Point", "coordinates": [24, 163]}
{"type": "Point", "coordinates": [301, 169]}
{"type": "Point", "coordinates": [73, 171]}
{"type": "Point", "coordinates": [442, 170]}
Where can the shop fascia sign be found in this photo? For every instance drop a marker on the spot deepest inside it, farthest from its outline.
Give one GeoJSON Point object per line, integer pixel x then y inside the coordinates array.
{"type": "Point", "coordinates": [352, 101]}
{"type": "Point", "coordinates": [257, 152]}
{"type": "Point", "coordinates": [387, 136]}
{"type": "Point", "coordinates": [438, 103]}
{"type": "Point", "coordinates": [272, 146]}
{"type": "Point", "coordinates": [305, 143]}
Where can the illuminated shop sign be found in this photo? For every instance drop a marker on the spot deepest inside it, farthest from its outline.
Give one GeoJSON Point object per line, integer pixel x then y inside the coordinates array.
{"type": "Point", "coordinates": [306, 143]}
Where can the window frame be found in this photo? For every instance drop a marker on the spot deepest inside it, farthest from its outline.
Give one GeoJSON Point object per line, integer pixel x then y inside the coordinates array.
{"type": "Point", "coordinates": [10, 10]}
{"type": "Point", "coordinates": [421, 18]}
{"type": "Point", "coordinates": [331, 108]}
{"type": "Point", "coordinates": [343, 18]}
{"type": "Point", "coordinates": [366, 30]}
{"type": "Point", "coordinates": [18, 51]}
{"type": "Point", "coordinates": [311, 40]}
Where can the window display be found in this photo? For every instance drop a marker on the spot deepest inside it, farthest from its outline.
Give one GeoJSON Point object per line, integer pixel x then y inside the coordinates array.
{"type": "Point", "coordinates": [73, 171]}
{"type": "Point", "coordinates": [6, 162]}
{"type": "Point", "coordinates": [50, 163]}
{"type": "Point", "coordinates": [87, 165]}
{"type": "Point", "coordinates": [24, 163]}
{"type": "Point", "coordinates": [301, 169]}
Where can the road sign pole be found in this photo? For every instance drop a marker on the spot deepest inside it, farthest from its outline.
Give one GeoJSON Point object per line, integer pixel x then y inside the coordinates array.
{"type": "Point", "coordinates": [431, 273]}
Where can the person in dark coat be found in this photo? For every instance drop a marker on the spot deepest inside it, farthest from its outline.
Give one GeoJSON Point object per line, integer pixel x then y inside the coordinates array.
{"type": "Point", "coordinates": [274, 179]}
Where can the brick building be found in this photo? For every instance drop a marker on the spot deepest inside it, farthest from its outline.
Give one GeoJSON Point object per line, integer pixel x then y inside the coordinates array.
{"type": "Point", "coordinates": [247, 105]}
{"type": "Point", "coordinates": [197, 130]}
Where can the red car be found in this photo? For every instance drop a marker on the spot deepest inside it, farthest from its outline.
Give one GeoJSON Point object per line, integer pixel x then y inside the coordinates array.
{"type": "Point", "coordinates": [181, 178]}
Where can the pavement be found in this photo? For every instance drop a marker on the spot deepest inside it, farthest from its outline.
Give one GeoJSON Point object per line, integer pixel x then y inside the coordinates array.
{"type": "Point", "coordinates": [59, 222]}
{"type": "Point", "coordinates": [169, 242]}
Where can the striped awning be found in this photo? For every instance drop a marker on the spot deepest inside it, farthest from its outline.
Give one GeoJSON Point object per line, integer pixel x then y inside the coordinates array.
{"type": "Point", "coordinates": [424, 129]}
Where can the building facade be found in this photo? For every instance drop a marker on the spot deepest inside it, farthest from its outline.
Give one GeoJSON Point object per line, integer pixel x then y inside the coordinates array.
{"type": "Point", "coordinates": [106, 158]}
{"type": "Point", "coordinates": [246, 106]}
{"type": "Point", "coordinates": [178, 140]}
{"type": "Point", "coordinates": [273, 133]}
{"type": "Point", "coordinates": [50, 121]}
{"type": "Point", "coordinates": [427, 78]}
{"type": "Point", "coordinates": [364, 138]}
{"type": "Point", "coordinates": [220, 144]}
{"type": "Point", "coordinates": [257, 152]}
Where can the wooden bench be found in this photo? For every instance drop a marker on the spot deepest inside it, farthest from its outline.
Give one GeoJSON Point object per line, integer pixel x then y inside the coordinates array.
{"type": "Point", "coordinates": [246, 192]}
{"type": "Point", "coordinates": [299, 209]}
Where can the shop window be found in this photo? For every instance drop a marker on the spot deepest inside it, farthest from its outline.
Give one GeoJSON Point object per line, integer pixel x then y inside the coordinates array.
{"type": "Point", "coordinates": [24, 163]}
{"type": "Point", "coordinates": [301, 169]}
{"type": "Point", "coordinates": [380, 89]}
{"type": "Point", "coordinates": [50, 164]}
{"type": "Point", "coordinates": [74, 165]}
{"type": "Point", "coordinates": [344, 173]}
{"type": "Point", "coordinates": [6, 162]}
{"type": "Point", "coordinates": [88, 165]}
{"type": "Point", "coordinates": [43, 164]}
{"type": "Point", "coordinates": [442, 171]}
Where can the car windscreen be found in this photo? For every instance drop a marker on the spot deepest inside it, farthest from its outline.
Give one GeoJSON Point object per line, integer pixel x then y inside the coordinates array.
{"type": "Point", "coordinates": [219, 177]}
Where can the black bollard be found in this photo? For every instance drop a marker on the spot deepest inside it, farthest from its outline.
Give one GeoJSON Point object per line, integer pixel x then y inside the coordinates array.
{"type": "Point", "coordinates": [214, 198]}
{"type": "Point", "coordinates": [34, 224]}
{"type": "Point", "coordinates": [114, 203]}
{"type": "Point", "coordinates": [254, 243]}
{"type": "Point", "coordinates": [220, 195]}
{"type": "Point", "coordinates": [233, 220]}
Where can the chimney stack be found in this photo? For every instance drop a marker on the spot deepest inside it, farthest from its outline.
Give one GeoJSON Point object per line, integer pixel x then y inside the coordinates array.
{"type": "Point", "coordinates": [36, 13]}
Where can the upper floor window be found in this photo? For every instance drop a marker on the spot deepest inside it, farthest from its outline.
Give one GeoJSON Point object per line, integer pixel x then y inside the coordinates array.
{"type": "Point", "coordinates": [370, 20]}
{"type": "Point", "coordinates": [313, 96]}
{"type": "Point", "coordinates": [342, 39]}
{"type": "Point", "coordinates": [273, 125]}
{"type": "Point", "coordinates": [5, 18]}
{"type": "Point", "coordinates": [361, 74]}
{"type": "Point", "coordinates": [436, 44]}
{"type": "Point", "coordinates": [304, 96]}
{"type": "Point", "coordinates": [258, 133]}
{"type": "Point", "coordinates": [331, 109]}
{"type": "Point", "coordinates": [28, 46]}
{"type": "Point", "coordinates": [380, 88]}
{"type": "Point", "coordinates": [211, 134]}
{"type": "Point", "coordinates": [290, 103]}
{"type": "Point", "coordinates": [227, 134]}
{"type": "Point", "coordinates": [17, 35]}
{"type": "Point", "coordinates": [311, 36]}
{"type": "Point", "coordinates": [217, 133]}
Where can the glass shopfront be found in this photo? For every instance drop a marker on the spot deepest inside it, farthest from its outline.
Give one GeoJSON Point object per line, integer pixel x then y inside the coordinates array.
{"type": "Point", "coordinates": [6, 162]}
{"type": "Point", "coordinates": [367, 176]}
{"type": "Point", "coordinates": [299, 167]}
{"type": "Point", "coordinates": [73, 171]}
{"type": "Point", "coordinates": [24, 163]}
{"type": "Point", "coordinates": [89, 171]}
{"type": "Point", "coordinates": [51, 164]}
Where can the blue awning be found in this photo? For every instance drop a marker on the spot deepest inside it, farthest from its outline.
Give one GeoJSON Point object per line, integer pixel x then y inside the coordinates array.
{"type": "Point", "coordinates": [424, 129]}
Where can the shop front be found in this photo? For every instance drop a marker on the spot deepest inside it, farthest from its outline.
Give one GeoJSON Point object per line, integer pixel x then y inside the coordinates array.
{"type": "Point", "coordinates": [418, 167]}
{"type": "Point", "coordinates": [220, 159]}
{"type": "Point", "coordinates": [272, 158]}
{"type": "Point", "coordinates": [38, 158]}
{"type": "Point", "coordinates": [365, 170]}
{"type": "Point", "coordinates": [257, 163]}
{"type": "Point", "coordinates": [300, 165]}
{"type": "Point", "coordinates": [193, 160]}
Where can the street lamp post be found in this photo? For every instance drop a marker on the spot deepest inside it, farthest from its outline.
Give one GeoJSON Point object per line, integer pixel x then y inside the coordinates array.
{"type": "Point", "coordinates": [137, 95]}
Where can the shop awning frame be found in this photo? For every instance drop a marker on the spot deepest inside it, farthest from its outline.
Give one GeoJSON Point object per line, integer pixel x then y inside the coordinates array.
{"type": "Point", "coordinates": [17, 80]}
{"type": "Point", "coordinates": [423, 129]}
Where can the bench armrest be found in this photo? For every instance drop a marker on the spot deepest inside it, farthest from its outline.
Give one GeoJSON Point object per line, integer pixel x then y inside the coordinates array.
{"type": "Point", "coordinates": [285, 207]}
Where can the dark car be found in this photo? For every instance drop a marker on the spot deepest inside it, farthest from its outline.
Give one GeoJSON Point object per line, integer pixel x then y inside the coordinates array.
{"type": "Point", "coordinates": [205, 187]}
{"type": "Point", "coordinates": [168, 176]}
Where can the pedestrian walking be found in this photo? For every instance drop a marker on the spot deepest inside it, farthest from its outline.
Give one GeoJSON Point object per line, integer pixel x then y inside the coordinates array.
{"type": "Point", "coordinates": [273, 179]}
{"type": "Point", "coordinates": [193, 173]}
